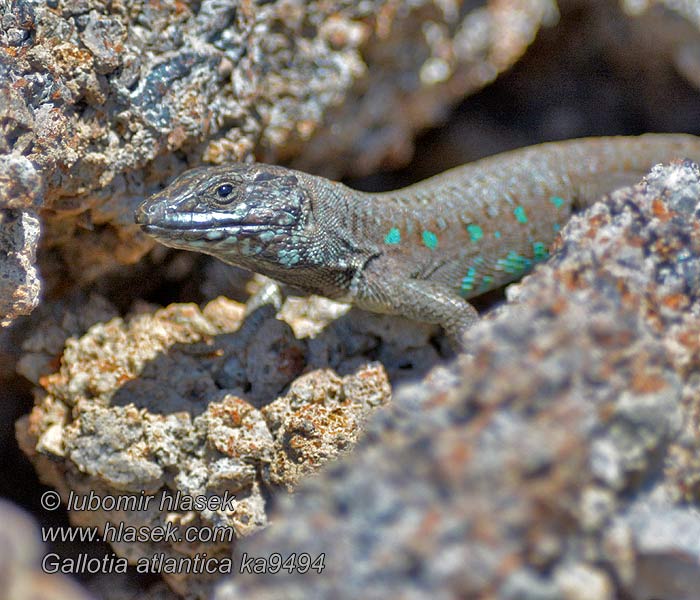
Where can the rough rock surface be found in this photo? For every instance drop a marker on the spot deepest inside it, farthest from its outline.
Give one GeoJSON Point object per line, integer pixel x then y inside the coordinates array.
{"type": "Point", "coordinates": [19, 280]}
{"type": "Point", "coordinates": [90, 152]}
{"type": "Point", "coordinates": [527, 473]}
{"type": "Point", "coordinates": [157, 406]}
{"type": "Point", "coordinates": [101, 102]}
{"type": "Point", "coordinates": [318, 418]}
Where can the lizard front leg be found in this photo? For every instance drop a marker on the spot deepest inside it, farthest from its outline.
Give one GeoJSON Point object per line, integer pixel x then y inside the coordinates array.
{"type": "Point", "coordinates": [419, 300]}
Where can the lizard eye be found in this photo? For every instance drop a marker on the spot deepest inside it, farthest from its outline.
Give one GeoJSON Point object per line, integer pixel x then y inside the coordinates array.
{"type": "Point", "coordinates": [224, 190]}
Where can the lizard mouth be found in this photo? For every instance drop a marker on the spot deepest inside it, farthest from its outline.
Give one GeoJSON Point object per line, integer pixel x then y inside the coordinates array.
{"type": "Point", "coordinates": [191, 227]}
{"type": "Point", "coordinates": [181, 235]}
{"type": "Point", "coordinates": [156, 220]}
{"type": "Point", "coordinates": [233, 226]}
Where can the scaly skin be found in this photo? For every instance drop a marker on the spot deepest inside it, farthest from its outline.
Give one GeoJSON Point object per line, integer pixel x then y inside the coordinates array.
{"type": "Point", "coordinates": [420, 251]}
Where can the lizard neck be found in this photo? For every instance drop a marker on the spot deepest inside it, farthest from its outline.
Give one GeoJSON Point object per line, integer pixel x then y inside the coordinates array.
{"type": "Point", "coordinates": [331, 255]}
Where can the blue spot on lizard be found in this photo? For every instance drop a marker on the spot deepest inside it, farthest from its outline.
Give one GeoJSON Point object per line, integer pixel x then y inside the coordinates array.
{"type": "Point", "coordinates": [468, 281]}
{"type": "Point", "coordinates": [475, 232]}
{"type": "Point", "coordinates": [514, 263]}
{"type": "Point", "coordinates": [520, 215]}
{"type": "Point", "coordinates": [393, 237]}
{"type": "Point", "coordinates": [430, 239]}
{"type": "Point", "coordinates": [486, 281]}
{"type": "Point", "coordinates": [557, 201]}
{"type": "Point", "coordinates": [540, 251]}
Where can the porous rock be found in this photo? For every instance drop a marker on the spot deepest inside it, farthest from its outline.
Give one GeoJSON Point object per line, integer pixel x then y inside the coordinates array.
{"type": "Point", "coordinates": [19, 280]}
{"type": "Point", "coordinates": [169, 402]}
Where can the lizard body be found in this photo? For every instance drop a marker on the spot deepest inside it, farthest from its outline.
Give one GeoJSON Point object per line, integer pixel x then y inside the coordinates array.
{"type": "Point", "coordinates": [419, 251]}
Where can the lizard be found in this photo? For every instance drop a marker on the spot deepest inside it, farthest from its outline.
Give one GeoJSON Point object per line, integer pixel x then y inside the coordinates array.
{"type": "Point", "coordinates": [421, 251]}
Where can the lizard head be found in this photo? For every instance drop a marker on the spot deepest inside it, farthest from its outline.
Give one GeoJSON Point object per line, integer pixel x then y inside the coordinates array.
{"type": "Point", "coordinates": [240, 213]}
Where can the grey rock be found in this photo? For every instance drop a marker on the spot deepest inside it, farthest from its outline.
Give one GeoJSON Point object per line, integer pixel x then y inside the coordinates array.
{"type": "Point", "coordinates": [20, 286]}
{"type": "Point", "coordinates": [139, 407]}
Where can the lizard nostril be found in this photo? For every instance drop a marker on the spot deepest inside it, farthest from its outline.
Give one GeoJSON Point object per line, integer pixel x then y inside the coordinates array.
{"type": "Point", "coordinates": [148, 212]}
{"type": "Point", "coordinates": [140, 217]}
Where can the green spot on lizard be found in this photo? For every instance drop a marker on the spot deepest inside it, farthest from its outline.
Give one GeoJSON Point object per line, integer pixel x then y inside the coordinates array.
{"type": "Point", "coordinates": [430, 239]}
{"type": "Point", "coordinates": [393, 237]}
